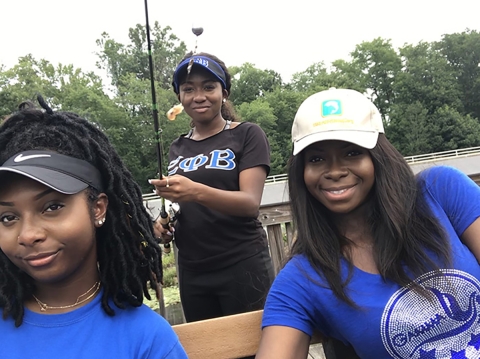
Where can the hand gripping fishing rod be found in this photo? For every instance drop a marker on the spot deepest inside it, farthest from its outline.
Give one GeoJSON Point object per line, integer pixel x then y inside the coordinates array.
{"type": "Point", "coordinates": [165, 219]}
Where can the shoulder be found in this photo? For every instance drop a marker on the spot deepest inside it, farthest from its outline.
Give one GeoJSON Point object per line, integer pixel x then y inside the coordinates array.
{"type": "Point", "coordinates": [176, 141]}
{"type": "Point", "coordinates": [439, 173]}
{"type": "Point", "coordinates": [152, 329]}
{"type": "Point", "coordinates": [297, 273]}
{"type": "Point", "coordinates": [442, 178]}
{"type": "Point", "coordinates": [248, 127]}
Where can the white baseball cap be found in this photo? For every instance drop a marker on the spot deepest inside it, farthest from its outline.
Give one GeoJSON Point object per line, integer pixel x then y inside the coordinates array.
{"type": "Point", "coordinates": [336, 114]}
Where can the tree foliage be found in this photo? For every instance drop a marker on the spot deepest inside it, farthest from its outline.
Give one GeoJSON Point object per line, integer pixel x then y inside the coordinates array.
{"type": "Point", "coordinates": [428, 93]}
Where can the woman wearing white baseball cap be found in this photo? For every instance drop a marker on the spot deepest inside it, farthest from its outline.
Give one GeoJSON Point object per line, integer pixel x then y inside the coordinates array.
{"type": "Point", "coordinates": [384, 261]}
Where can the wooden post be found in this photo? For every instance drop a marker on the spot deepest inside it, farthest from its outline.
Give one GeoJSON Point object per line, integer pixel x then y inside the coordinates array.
{"type": "Point", "coordinates": [275, 240]}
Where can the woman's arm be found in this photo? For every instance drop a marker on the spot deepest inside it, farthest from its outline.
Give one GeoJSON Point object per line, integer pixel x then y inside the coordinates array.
{"type": "Point", "coordinates": [280, 342]}
{"type": "Point", "coordinates": [471, 238]}
{"type": "Point", "coordinates": [243, 203]}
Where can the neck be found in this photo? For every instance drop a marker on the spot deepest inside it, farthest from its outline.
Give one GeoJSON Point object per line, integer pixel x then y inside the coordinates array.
{"type": "Point", "coordinates": [354, 226]}
{"type": "Point", "coordinates": [204, 130]}
{"type": "Point", "coordinates": [69, 294]}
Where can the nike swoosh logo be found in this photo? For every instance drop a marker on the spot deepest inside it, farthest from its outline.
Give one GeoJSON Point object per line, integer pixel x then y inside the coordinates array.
{"type": "Point", "coordinates": [21, 157]}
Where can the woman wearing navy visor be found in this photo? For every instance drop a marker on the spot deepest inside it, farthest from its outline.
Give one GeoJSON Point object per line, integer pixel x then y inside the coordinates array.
{"type": "Point", "coordinates": [216, 173]}
{"type": "Point", "coordinates": [77, 251]}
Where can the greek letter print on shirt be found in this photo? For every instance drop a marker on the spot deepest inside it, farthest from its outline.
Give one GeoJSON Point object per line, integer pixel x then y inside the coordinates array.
{"type": "Point", "coordinates": [208, 239]}
{"type": "Point", "coordinates": [216, 160]}
{"type": "Point", "coordinates": [444, 326]}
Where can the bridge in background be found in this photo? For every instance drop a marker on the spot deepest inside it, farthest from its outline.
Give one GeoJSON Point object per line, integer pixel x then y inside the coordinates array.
{"type": "Point", "coordinates": [275, 192]}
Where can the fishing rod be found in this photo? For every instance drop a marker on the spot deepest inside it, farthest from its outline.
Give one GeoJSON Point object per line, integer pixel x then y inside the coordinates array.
{"type": "Point", "coordinates": [165, 219]}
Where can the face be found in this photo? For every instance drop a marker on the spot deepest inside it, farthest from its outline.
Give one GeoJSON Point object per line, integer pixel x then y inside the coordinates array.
{"type": "Point", "coordinates": [48, 235]}
{"type": "Point", "coordinates": [201, 95]}
{"type": "Point", "coordinates": [339, 174]}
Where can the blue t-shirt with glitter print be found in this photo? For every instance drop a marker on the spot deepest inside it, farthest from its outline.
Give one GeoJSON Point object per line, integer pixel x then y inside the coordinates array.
{"type": "Point", "coordinates": [394, 321]}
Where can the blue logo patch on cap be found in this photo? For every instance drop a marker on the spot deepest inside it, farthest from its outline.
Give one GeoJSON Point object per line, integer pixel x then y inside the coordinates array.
{"type": "Point", "coordinates": [331, 108]}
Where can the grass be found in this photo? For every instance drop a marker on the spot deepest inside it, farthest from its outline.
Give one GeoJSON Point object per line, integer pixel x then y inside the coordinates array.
{"type": "Point", "coordinates": [171, 294]}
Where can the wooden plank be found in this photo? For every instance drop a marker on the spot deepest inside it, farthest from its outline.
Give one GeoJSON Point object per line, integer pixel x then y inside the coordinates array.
{"type": "Point", "coordinates": [235, 336]}
{"type": "Point", "coordinates": [275, 214]}
{"type": "Point", "coordinates": [275, 241]}
{"type": "Point", "coordinates": [290, 234]}
{"type": "Point", "coordinates": [231, 337]}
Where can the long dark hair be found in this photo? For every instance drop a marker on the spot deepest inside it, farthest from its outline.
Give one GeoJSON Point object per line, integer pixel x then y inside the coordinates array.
{"type": "Point", "coordinates": [228, 112]}
{"type": "Point", "coordinates": [403, 227]}
{"type": "Point", "coordinates": [129, 258]}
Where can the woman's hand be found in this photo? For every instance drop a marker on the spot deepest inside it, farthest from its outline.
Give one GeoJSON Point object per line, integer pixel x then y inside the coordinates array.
{"type": "Point", "coordinates": [244, 202]}
{"type": "Point", "coordinates": [164, 234]}
{"type": "Point", "coordinates": [176, 188]}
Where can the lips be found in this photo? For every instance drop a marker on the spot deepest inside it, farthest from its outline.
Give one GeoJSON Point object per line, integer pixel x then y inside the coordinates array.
{"type": "Point", "coordinates": [338, 193]}
{"type": "Point", "coordinates": [200, 109]}
{"type": "Point", "coordinates": [40, 259]}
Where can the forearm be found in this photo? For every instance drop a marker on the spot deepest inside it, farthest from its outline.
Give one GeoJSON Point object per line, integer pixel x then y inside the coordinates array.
{"type": "Point", "coordinates": [235, 203]}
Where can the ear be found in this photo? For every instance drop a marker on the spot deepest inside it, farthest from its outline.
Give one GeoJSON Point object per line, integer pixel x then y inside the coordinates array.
{"type": "Point", "coordinates": [225, 93]}
{"type": "Point", "coordinates": [178, 96]}
{"type": "Point", "coordinates": [100, 210]}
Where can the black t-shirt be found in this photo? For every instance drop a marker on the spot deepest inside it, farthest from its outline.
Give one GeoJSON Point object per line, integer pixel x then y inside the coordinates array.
{"type": "Point", "coordinates": [208, 239]}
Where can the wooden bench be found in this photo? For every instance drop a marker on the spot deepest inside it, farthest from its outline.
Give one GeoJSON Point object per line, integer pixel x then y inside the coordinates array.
{"type": "Point", "coordinates": [231, 337]}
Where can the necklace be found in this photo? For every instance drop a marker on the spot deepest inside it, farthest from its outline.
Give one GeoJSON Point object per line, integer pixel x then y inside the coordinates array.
{"type": "Point", "coordinates": [225, 127]}
{"type": "Point", "coordinates": [44, 307]}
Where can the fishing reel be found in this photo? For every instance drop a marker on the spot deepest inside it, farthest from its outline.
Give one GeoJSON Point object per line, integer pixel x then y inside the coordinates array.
{"type": "Point", "coordinates": [167, 219]}
{"type": "Point", "coordinates": [166, 215]}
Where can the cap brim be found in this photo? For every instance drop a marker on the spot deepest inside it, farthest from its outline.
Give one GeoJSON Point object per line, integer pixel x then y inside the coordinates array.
{"type": "Point", "coordinates": [183, 68]}
{"type": "Point", "coordinates": [58, 181]}
{"type": "Point", "coordinates": [365, 139]}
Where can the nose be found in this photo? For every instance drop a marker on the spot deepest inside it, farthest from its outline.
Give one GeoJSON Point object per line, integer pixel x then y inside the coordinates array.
{"type": "Point", "coordinates": [199, 96]}
{"type": "Point", "coordinates": [336, 170]}
{"type": "Point", "coordinates": [31, 233]}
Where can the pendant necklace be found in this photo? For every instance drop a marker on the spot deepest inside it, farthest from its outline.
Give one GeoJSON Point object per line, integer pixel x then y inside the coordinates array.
{"type": "Point", "coordinates": [95, 288]}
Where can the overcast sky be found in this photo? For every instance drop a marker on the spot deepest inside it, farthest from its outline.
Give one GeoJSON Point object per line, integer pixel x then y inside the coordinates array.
{"type": "Point", "coordinates": [286, 38]}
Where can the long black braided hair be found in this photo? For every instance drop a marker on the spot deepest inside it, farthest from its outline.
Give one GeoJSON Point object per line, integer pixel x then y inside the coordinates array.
{"type": "Point", "coordinates": [129, 257]}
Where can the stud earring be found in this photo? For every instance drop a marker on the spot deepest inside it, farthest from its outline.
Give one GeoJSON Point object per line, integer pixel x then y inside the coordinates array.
{"type": "Point", "coordinates": [224, 100]}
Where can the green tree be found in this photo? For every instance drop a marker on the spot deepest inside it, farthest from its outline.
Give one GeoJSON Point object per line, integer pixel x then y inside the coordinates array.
{"type": "Point", "coordinates": [314, 79]}
{"type": "Point", "coordinates": [24, 80]}
{"type": "Point", "coordinates": [120, 59]}
{"type": "Point", "coordinates": [426, 77]}
{"type": "Point", "coordinates": [260, 112]}
{"type": "Point", "coordinates": [462, 51]}
{"type": "Point", "coordinates": [284, 103]}
{"type": "Point", "coordinates": [411, 130]}
{"type": "Point", "coordinates": [250, 83]}
{"type": "Point", "coordinates": [127, 66]}
{"type": "Point", "coordinates": [68, 88]}
{"type": "Point", "coordinates": [376, 63]}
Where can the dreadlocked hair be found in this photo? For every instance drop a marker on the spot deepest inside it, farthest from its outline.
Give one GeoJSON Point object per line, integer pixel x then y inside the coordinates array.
{"type": "Point", "coordinates": [129, 257]}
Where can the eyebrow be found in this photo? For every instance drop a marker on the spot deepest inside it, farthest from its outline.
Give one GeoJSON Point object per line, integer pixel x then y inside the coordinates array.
{"type": "Point", "coordinates": [43, 194]}
{"type": "Point", "coordinates": [36, 198]}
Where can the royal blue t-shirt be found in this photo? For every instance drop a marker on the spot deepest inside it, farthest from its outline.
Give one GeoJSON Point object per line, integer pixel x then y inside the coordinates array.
{"type": "Point", "coordinates": [394, 321]}
{"type": "Point", "coordinates": [88, 332]}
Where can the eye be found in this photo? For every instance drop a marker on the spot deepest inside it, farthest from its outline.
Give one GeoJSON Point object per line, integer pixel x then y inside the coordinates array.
{"type": "Point", "coordinates": [54, 207]}
{"type": "Point", "coordinates": [353, 153]}
{"type": "Point", "coordinates": [315, 158]}
{"type": "Point", "coordinates": [7, 218]}
{"type": "Point", "coordinates": [209, 87]}
{"type": "Point", "coordinates": [187, 89]}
